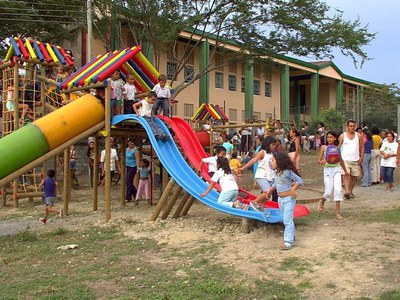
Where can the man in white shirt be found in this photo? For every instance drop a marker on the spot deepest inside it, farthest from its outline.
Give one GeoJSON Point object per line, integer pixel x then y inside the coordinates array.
{"type": "Point", "coordinates": [114, 164]}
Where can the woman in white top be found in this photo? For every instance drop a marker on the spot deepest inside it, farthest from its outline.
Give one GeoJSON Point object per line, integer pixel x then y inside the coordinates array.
{"type": "Point", "coordinates": [390, 154]}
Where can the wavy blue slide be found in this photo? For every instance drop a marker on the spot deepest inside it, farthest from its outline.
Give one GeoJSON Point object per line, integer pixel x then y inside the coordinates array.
{"type": "Point", "coordinates": [182, 173]}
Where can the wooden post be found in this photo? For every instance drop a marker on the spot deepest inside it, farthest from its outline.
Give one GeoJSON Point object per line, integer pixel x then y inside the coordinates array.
{"type": "Point", "coordinates": [163, 199]}
{"type": "Point", "coordinates": [171, 202]}
{"type": "Point", "coordinates": [187, 206]}
{"type": "Point", "coordinates": [3, 197]}
{"type": "Point", "coordinates": [164, 179]}
{"type": "Point", "coordinates": [16, 125]}
{"type": "Point", "coordinates": [123, 171]}
{"type": "Point", "coordinates": [95, 174]}
{"type": "Point", "coordinates": [67, 181]}
{"type": "Point", "coordinates": [107, 161]}
{"type": "Point", "coordinates": [181, 205]}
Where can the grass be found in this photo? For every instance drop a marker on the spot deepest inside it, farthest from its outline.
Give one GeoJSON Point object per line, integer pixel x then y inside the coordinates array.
{"type": "Point", "coordinates": [108, 264]}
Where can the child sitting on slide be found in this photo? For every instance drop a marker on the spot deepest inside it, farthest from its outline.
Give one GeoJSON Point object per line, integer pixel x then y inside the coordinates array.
{"type": "Point", "coordinates": [144, 109]}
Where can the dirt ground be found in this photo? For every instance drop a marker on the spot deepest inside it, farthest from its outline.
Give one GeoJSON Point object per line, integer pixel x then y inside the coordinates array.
{"type": "Point", "coordinates": [331, 259]}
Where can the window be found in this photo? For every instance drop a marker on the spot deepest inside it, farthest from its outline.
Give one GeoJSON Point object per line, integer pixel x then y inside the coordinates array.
{"type": "Point", "coordinates": [171, 69]}
{"type": "Point", "coordinates": [188, 73]}
{"type": "Point", "coordinates": [243, 85]}
{"type": "Point", "coordinates": [232, 82]}
{"type": "Point", "coordinates": [256, 87]}
{"type": "Point", "coordinates": [268, 116]}
{"type": "Point", "coordinates": [268, 89]}
{"type": "Point", "coordinates": [219, 80]}
{"type": "Point", "coordinates": [257, 116]}
{"type": "Point", "coordinates": [232, 115]}
{"type": "Point", "coordinates": [188, 110]}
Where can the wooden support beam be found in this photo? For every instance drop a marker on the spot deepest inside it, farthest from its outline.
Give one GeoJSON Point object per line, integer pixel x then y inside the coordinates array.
{"type": "Point", "coordinates": [95, 174]}
{"type": "Point", "coordinates": [171, 203]}
{"type": "Point", "coordinates": [181, 205]}
{"type": "Point", "coordinates": [187, 206]}
{"type": "Point", "coordinates": [123, 171]}
{"type": "Point", "coordinates": [163, 199]}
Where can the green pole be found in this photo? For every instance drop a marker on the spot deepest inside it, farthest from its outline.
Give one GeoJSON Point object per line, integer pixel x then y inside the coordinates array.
{"type": "Point", "coordinates": [297, 101]}
{"type": "Point", "coordinates": [314, 95]}
{"type": "Point", "coordinates": [204, 81]}
{"type": "Point", "coordinates": [339, 94]}
{"type": "Point", "coordinates": [285, 93]}
{"type": "Point", "coordinates": [249, 89]}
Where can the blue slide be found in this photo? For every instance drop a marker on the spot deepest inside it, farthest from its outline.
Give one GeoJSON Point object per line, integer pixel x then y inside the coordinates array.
{"type": "Point", "coordinates": [183, 174]}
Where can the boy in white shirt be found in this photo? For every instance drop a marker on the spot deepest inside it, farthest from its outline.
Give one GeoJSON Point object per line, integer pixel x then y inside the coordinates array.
{"type": "Point", "coordinates": [212, 160]}
{"type": "Point", "coordinates": [163, 96]}
{"type": "Point", "coordinates": [129, 93]}
{"type": "Point", "coordinates": [144, 109]}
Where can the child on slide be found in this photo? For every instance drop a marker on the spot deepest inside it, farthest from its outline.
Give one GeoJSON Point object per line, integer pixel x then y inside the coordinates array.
{"type": "Point", "coordinates": [229, 188]}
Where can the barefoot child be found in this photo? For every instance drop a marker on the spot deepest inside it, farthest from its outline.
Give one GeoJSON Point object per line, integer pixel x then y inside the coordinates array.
{"type": "Point", "coordinates": [286, 182]}
{"type": "Point", "coordinates": [50, 186]}
{"type": "Point", "coordinates": [330, 158]}
{"type": "Point", "coordinates": [229, 187]}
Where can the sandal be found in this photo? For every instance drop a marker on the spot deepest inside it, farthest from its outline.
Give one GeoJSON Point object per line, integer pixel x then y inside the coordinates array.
{"type": "Point", "coordinates": [321, 205]}
{"type": "Point", "coordinates": [352, 196]}
{"type": "Point", "coordinates": [347, 195]}
{"type": "Point", "coordinates": [339, 217]}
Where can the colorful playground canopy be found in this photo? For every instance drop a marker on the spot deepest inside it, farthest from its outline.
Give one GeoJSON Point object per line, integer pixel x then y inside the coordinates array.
{"type": "Point", "coordinates": [30, 49]}
{"type": "Point", "coordinates": [127, 61]}
{"type": "Point", "coordinates": [209, 111]}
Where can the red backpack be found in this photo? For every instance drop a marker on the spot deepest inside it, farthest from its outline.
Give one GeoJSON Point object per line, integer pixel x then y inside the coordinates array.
{"type": "Point", "coordinates": [332, 154]}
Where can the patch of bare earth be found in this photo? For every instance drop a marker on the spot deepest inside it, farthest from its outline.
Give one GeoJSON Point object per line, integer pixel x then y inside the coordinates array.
{"type": "Point", "coordinates": [331, 259]}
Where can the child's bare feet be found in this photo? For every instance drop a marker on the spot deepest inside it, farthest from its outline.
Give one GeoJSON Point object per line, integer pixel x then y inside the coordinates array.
{"type": "Point", "coordinates": [321, 205]}
{"type": "Point", "coordinates": [339, 217]}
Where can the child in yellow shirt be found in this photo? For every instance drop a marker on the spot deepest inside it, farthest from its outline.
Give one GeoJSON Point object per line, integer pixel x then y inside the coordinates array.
{"type": "Point", "coordinates": [235, 164]}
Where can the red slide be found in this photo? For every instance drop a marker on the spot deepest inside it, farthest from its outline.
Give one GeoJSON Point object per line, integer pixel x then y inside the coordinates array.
{"type": "Point", "coordinates": [195, 152]}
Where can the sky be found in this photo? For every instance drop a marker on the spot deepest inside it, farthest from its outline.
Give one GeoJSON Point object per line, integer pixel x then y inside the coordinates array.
{"type": "Point", "coordinates": [383, 18]}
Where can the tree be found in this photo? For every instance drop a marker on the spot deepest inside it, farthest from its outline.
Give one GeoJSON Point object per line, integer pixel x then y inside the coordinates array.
{"type": "Point", "coordinates": [380, 106]}
{"type": "Point", "coordinates": [259, 27]}
{"type": "Point", "coordinates": [44, 20]}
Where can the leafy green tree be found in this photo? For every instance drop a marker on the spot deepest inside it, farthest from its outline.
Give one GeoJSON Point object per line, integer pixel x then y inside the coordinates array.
{"type": "Point", "coordinates": [380, 106]}
{"type": "Point", "coordinates": [259, 27]}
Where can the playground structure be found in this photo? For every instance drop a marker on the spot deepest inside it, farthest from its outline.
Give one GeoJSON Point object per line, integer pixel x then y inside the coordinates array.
{"type": "Point", "coordinates": [87, 116]}
{"type": "Point", "coordinates": [27, 95]}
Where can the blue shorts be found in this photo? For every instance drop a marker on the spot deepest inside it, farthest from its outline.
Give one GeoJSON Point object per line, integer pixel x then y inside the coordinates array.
{"type": "Point", "coordinates": [49, 201]}
{"type": "Point", "coordinates": [72, 164]}
{"type": "Point", "coordinates": [387, 174]}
